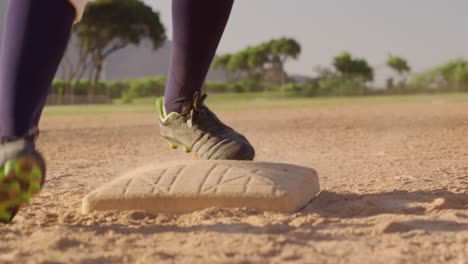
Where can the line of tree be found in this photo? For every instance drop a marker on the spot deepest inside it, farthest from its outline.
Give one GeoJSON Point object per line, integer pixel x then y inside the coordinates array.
{"type": "Point", "coordinates": [450, 76]}
{"type": "Point", "coordinates": [265, 63]}
{"type": "Point", "coordinates": [111, 25]}
{"type": "Point", "coordinates": [345, 79]}
{"type": "Point", "coordinates": [351, 75]}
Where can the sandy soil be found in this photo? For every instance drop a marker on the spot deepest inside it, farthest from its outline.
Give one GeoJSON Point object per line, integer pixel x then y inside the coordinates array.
{"type": "Point", "coordinates": [394, 180]}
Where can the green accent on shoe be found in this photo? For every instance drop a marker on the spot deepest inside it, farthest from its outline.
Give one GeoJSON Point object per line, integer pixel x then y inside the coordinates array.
{"type": "Point", "coordinates": [172, 145]}
{"type": "Point", "coordinates": [19, 188]}
{"type": "Point", "coordinates": [34, 187]}
{"type": "Point", "coordinates": [11, 187]}
{"type": "Point", "coordinates": [5, 216]}
{"type": "Point", "coordinates": [22, 172]}
{"type": "Point", "coordinates": [163, 116]}
{"type": "Point", "coordinates": [187, 149]}
{"type": "Point", "coordinates": [36, 173]}
{"type": "Point", "coordinates": [198, 129]}
{"type": "Point", "coordinates": [25, 197]}
{"type": "Point", "coordinates": [12, 166]}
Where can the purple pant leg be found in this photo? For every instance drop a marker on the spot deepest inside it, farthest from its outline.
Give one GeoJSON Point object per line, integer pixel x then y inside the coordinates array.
{"type": "Point", "coordinates": [198, 26]}
{"type": "Point", "coordinates": [34, 42]}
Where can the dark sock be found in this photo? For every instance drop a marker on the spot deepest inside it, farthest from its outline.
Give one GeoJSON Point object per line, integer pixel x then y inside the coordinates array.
{"type": "Point", "coordinates": [35, 39]}
{"type": "Point", "coordinates": [197, 30]}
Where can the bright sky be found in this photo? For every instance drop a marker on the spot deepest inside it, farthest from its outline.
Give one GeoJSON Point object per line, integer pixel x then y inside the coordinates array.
{"type": "Point", "coordinates": [426, 32]}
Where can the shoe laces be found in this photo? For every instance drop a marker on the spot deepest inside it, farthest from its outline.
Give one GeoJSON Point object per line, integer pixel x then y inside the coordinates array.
{"type": "Point", "coordinates": [199, 111]}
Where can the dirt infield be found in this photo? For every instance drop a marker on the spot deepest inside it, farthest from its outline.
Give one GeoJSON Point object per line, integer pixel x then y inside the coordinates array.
{"type": "Point", "coordinates": [394, 180]}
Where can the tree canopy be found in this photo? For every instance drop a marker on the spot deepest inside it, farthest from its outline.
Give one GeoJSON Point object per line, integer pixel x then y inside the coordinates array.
{"type": "Point", "coordinates": [398, 64]}
{"type": "Point", "coordinates": [346, 65]}
{"type": "Point", "coordinates": [452, 75]}
{"type": "Point", "coordinates": [111, 25]}
{"type": "Point", "coordinates": [254, 62]}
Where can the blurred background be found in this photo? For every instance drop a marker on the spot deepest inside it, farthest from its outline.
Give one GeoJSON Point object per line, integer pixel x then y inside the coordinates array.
{"type": "Point", "coordinates": [277, 49]}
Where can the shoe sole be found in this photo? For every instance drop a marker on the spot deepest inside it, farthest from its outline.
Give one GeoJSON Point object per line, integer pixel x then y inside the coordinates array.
{"type": "Point", "coordinates": [174, 144]}
{"type": "Point", "coordinates": [20, 179]}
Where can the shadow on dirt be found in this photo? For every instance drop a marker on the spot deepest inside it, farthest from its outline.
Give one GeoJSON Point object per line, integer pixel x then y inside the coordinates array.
{"type": "Point", "coordinates": [352, 205]}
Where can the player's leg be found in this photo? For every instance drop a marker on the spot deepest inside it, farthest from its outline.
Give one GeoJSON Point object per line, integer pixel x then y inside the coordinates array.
{"type": "Point", "coordinates": [35, 39]}
{"type": "Point", "coordinates": [197, 29]}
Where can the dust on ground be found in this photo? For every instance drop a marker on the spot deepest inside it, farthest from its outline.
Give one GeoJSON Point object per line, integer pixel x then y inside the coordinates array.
{"type": "Point", "coordinates": [394, 180]}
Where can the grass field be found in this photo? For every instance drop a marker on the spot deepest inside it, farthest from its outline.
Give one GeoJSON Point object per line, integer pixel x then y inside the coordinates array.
{"type": "Point", "coordinates": [259, 101]}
